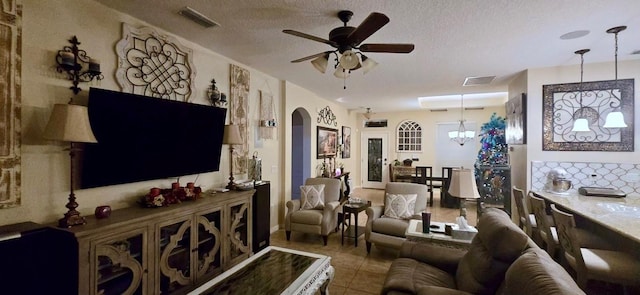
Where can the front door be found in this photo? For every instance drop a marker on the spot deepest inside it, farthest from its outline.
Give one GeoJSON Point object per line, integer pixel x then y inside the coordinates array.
{"type": "Point", "coordinates": [375, 161]}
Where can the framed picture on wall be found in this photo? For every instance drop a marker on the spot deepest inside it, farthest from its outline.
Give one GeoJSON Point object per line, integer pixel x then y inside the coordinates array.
{"type": "Point", "coordinates": [516, 110]}
{"type": "Point", "coordinates": [346, 142]}
{"type": "Point", "coordinates": [327, 142]}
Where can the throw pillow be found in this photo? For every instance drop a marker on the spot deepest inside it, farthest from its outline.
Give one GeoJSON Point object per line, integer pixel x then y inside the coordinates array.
{"type": "Point", "coordinates": [399, 206]}
{"type": "Point", "coordinates": [312, 196]}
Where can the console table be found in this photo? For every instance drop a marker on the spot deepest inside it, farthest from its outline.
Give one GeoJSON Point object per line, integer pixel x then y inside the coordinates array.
{"type": "Point", "coordinates": [274, 270]}
{"type": "Point", "coordinates": [163, 250]}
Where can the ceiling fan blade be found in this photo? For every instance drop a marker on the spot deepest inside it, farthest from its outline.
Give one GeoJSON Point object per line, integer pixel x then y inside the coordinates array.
{"type": "Point", "coordinates": [387, 47]}
{"type": "Point", "coordinates": [311, 56]}
{"type": "Point", "coordinates": [310, 37]}
{"type": "Point", "coordinates": [370, 25]}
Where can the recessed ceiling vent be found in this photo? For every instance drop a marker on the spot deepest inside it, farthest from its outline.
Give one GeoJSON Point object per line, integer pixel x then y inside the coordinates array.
{"type": "Point", "coordinates": [197, 17]}
{"type": "Point", "coordinates": [474, 81]}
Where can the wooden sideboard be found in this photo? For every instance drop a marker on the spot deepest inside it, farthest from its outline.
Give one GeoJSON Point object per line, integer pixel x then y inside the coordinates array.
{"type": "Point", "coordinates": [164, 250]}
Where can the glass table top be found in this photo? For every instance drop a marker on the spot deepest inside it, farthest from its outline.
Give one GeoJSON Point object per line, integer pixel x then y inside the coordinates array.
{"type": "Point", "coordinates": [271, 273]}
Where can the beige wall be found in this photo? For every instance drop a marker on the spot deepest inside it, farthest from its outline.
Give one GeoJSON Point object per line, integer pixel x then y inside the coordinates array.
{"type": "Point", "coordinates": [568, 74]}
{"type": "Point", "coordinates": [47, 25]}
{"type": "Point", "coordinates": [298, 97]}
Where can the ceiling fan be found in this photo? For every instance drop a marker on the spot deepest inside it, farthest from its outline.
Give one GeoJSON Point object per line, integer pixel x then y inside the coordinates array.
{"type": "Point", "coordinates": [346, 41]}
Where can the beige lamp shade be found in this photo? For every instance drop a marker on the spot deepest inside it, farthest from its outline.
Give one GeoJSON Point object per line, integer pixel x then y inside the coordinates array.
{"type": "Point", "coordinates": [69, 122]}
{"type": "Point", "coordinates": [463, 184]}
{"type": "Point", "coordinates": [231, 135]}
{"type": "Point", "coordinates": [320, 63]}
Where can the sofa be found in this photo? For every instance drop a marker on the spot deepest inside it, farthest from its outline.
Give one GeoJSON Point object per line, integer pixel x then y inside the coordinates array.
{"type": "Point", "coordinates": [502, 259]}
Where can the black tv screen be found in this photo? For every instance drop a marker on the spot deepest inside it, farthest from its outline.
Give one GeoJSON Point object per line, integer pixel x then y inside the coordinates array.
{"type": "Point", "coordinates": [144, 138]}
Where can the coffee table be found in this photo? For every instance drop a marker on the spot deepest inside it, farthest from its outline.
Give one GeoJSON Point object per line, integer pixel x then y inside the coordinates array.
{"type": "Point", "coordinates": [437, 237]}
{"type": "Point", "coordinates": [274, 270]}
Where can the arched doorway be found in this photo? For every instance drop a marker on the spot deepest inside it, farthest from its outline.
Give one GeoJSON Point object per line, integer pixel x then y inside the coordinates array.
{"type": "Point", "coordinates": [300, 150]}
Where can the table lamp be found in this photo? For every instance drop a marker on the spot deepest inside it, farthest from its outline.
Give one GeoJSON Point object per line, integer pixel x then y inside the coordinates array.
{"type": "Point", "coordinates": [70, 123]}
{"type": "Point", "coordinates": [463, 186]}
{"type": "Point", "coordinates": [231, 136]}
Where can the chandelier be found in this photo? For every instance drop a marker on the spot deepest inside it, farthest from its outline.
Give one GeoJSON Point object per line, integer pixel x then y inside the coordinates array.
{"type": "Point", "coordinates": [462, 135]}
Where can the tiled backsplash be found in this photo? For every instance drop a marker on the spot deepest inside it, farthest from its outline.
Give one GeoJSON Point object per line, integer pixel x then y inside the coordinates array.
{"type": "Point", "coordinates": [622, 176]}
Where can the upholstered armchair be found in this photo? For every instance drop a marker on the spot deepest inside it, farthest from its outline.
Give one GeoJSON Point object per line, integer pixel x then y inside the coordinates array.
{"type": "Point", "coordinates": [389, 231]}
{"type": "Point", "coordinates": [320, 221]}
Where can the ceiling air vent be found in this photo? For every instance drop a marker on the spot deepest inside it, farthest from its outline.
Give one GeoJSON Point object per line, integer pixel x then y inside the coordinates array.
{"type": "Point", "coordinates": [377, 123]}
{"type": "Point", "coordinates": [438, 110]}
{"type": "Point", "coordinates": [197, 17]}
{"type": "Point", "coordinates": [474, 81]}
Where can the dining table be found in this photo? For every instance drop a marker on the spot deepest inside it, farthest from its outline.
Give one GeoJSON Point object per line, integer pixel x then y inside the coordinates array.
{"type": "Point", "coordinates": [617, 219]}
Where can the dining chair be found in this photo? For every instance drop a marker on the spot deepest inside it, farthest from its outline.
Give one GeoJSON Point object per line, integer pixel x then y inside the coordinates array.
{"type": "Point", "coordinates": [594, 264]}
{"type": "Point", "coordinates": [446, 200]}
{"type": "Point", "coordinates": [526, 220]}
{"type": "Point", "coordinates": [424, 175]}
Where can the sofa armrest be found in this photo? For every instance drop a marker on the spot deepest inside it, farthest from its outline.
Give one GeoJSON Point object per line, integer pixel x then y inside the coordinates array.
{"type": "Point", "coordinates": [331, 206]}
{"type": "Point", "coordinates": [446, 259]}
{"type": "Point", "coordinates": [293, 205]}
{"type": "Point", "coordinates": [374, 212]}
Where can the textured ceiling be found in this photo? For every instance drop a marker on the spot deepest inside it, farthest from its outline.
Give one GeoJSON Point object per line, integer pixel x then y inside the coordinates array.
{"type": "Point", "coordinates": [453, 39]}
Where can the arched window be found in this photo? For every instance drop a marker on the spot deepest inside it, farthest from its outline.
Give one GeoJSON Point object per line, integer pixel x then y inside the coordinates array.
{"type": "Point", "coordinates": [409, 137]}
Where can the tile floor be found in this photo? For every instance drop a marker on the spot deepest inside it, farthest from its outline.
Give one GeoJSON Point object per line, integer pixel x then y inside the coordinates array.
{"type": "Point", "coordinates": [356, 272]}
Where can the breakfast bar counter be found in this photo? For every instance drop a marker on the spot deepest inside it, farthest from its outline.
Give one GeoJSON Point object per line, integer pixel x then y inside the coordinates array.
{"type": "Point", "coordinates": [617, 219]}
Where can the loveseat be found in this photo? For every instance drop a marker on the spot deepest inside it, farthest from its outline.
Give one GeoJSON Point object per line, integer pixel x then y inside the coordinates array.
{"type": "Point", "coordinates": [502, 260]}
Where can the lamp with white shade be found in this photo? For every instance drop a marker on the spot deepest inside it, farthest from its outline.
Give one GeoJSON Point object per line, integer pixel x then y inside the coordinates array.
{"type": "Point", "coordinates": [463, 186]}
{"type": "Point", "coordinates": [70, 123]}
{"type": "Point", "coordinates": [231, 136]}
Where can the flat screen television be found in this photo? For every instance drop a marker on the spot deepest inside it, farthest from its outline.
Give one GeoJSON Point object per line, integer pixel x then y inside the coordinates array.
{"type": "Point", "coordinates": [144, 138]}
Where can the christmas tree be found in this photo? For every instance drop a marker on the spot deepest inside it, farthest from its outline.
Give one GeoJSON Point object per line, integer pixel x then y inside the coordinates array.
{"type": "Point", "coordinates": [492, 164]}
{"type": "Point", "coordinates": [493, 150]}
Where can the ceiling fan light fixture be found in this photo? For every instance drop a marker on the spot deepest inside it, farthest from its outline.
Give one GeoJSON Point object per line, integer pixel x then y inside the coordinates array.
{"type": "Point", "coordinates": [349, 60]}
{"type": "Point", "coordinates": [321, 62]}
{"type": "Point", "coordinates": [368, 64]}
{"type": "Point", "coordinates": [341, 72]}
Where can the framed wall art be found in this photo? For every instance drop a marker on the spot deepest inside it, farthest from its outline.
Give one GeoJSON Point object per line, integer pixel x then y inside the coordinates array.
{"type": "Point", "coordinates": [327, 142]}
{"type": "Point", "coordinates": [565, 103]}
{"type": "Point", "coordinates": [346, 142]}
{"type": "Point", "coordinates": [516, 110]}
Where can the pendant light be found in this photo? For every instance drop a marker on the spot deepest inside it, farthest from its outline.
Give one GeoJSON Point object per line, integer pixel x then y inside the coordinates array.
{"type": "Point", "coordinates": [615, 119]}
{"type": "Point", "coordinates": [462, 135]}
{"type": "Point", "coordinates": [581, 124]}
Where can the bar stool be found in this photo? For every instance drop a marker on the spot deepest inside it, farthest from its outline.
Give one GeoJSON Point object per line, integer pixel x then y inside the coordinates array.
{"type": "Point", "coordinates": [527, 221]}
{"type": "Point", "coordinates": [545, 225]}
{"type": "Point", "coordinates": [594, 264]}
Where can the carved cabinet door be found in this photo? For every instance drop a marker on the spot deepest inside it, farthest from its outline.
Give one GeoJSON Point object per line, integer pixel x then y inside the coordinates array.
{"type": "Point", "coordinates": [174, 270]}
{"type": "Point", "coordinates": [208, 238]}
{"type": "Point", "coordinates": [120, 264]}
{"type": "Point", "coordinates": [238, 232]}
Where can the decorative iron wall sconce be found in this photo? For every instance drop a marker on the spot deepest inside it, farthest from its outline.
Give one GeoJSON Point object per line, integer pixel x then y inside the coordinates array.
{"type": "Point", "coordinates": [216, 97]}
{"type": "Point", "coordinates": [77, 64]}
{"type": "Point", "coordinates": [327, 117]}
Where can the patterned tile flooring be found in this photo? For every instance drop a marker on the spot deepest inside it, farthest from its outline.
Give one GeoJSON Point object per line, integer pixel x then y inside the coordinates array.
{"type": "Point", "coordinates": [356, 272]}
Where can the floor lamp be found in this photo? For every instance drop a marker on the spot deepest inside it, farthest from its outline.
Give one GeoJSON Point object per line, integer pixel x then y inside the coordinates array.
{"type": "Point", "coordinates": [70, 123]}
{"type": "Point", "coordinates": [463, 186]}
{"type": "Point", "coordinates": [231, 137]}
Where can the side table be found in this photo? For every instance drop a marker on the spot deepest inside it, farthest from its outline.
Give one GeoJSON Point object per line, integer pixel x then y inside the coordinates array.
{"type": "Point", "coordinates": [352, 230]}
{"type": "Point", "coordinates": [414, 233]}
